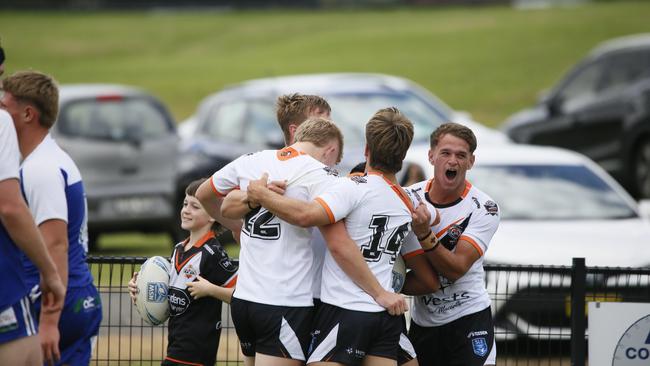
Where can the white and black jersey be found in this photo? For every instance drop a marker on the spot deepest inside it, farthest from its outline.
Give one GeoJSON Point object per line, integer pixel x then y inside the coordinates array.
{"type": "Point", "coordinates": [474, 217]}
{"type": "Point", "coordinates": [378, 218]}
{"type": "Point", "coordinates": [195, 325]}
{"type": "Point", "coordinates": [277, 264]}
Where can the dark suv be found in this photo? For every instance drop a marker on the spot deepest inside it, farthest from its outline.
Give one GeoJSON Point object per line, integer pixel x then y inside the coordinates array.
{"type": "Point", "coordinates": [601, 109]}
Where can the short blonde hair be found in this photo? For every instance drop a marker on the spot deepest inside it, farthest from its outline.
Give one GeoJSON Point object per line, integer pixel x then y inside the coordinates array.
{"type": "Point", "coordinates": [296, 108]}
{"type": "Point", "coordinates": [388, 135]}
{"type": "Point", "coordinates": [37, 89]}
{"type": "Point", "coordinates": [319, 131]}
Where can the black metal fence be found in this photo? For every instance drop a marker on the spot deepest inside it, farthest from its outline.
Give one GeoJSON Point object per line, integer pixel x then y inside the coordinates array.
{"type": "Point", "coordinates": [539, 312]}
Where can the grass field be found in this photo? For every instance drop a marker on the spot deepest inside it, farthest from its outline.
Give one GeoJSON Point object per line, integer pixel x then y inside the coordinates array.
{"type": "Point", "coordinates": [490, 61]}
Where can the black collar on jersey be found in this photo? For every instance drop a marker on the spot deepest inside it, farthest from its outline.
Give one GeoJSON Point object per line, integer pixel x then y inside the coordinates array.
{"type": "Point", "coordinates": [438, 205]}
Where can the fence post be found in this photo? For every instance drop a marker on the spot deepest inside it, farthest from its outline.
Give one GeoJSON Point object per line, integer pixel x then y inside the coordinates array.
{"type": "Point", "coordinates": [578, 319]}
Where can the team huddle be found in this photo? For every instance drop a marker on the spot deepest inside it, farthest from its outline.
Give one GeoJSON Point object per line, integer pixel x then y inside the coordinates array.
{"type": "Point", "coordinates": [314, 280]}
{"type": "Point", "coordinates": [318, 250]}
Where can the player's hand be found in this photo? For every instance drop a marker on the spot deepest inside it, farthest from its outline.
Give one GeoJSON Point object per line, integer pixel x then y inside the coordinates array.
{"type": "Point", "coordinates": [420, 220]}
{"type": "Point", "coordinates": [52, 293]}
{"type": "Point", "coordinates": [133, 289]}
{"type": "Point", "coordinates": [48, 332]}
{"type": "Point", "coordinates": [277, 186]}
{"type": "Point", "coordinates": [199, 288]}
{"type": "Point", "coordinates": [394, 303]}
{"type": "Point", "coordinates": [436, 221]}
{"type": "Point", "coordinates": [257, 188]}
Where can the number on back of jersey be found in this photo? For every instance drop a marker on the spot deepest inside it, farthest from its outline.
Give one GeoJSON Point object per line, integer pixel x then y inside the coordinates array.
{"type": "Point", "coordinates": [381, 243]}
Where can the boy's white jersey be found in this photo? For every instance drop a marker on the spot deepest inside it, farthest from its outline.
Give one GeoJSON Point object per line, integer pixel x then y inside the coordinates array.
{"type": "Point", "coordinates": [276, 261]}
{"type": "Point", "coordinates": [378, 218]}
{"type": "Point", "coordinates": [474, 217]}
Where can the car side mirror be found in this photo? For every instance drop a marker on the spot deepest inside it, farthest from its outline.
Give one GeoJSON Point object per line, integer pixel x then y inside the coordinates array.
{"type": "Point", "coordinates": [644, 209]}
{"type": "Point", "coordinates": [554, 105]}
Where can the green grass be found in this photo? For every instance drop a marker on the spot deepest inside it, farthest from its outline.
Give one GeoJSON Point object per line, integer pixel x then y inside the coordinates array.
{"type": "Point", "coordinates": [490, 61]}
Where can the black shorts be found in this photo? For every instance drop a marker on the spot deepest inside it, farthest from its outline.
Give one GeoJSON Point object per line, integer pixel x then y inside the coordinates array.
{"type": "Point", "coordinates": [280, 331]}
{"type": "Point", "coordinates": [467, 341]}
{"type": "Point", "coordinates": [406, 351]}
{"type": "Point", "coordinates": [348, 336]}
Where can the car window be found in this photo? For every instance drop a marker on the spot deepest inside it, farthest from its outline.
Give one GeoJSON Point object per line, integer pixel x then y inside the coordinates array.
{"type": "Point", "coordinates": [116, 119]}
{"type": "Point", "coordinates": [582, 86]}
{"type": "Point", "coordinates": [550, 192]}
{"type": "Point", "coordinates": [624, 69]}
{"type": "Point", "coordinates": [225, 121]}
{"type": "Point", "coordinates": [262, 127]}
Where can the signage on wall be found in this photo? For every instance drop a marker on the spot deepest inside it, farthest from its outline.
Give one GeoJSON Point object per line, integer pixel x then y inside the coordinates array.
{"type": "Point", "coordinates": [619, 334]}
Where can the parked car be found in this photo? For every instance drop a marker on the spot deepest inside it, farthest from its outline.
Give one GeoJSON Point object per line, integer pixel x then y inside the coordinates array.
{"type": "Point", "coordinates": [241, 119]}
{"type": "Point", "coordinates": [555, 205]}
{"type": "Point", "coordinates": [601, 108]}
{"type": "Point", "coordinates": [125, 143]}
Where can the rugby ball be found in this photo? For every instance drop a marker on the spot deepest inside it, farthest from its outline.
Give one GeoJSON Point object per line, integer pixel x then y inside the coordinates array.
{"type": "Point", "coordinates": [153, 284]}
{"type": "Point", "coordinates": [399, 274]}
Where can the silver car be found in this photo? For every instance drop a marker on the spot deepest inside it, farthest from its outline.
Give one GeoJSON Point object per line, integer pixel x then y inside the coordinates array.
{"type": "Point", "coordinates": [125, 144]}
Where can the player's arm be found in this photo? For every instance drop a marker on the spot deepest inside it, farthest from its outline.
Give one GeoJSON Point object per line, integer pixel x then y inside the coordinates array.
{"type": "Point", "coordinates": [422, 279]}
{"type": "Point", "coordinates": [237, 203]}
{"type": "Point", "coordinates": [347, 255]}
{"type": "Point", "coordinates": [452, 265]}
{"type": "Point", "coordinates": [18, 221]}
{"type": "Point", "coordinates": [470, 247]}
{"type": "Point", "coordinates": [293, 211]}
{"type": "Point", "coordinates": [211, 202]}
{"type": "Point", "coordinates": [202, 288]}
{"type": "Point", "coordinates": [55, 236]}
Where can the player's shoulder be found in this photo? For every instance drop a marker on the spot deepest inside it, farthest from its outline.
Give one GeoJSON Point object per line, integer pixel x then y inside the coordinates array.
{"type": "Point", "coordinates": [216, 252]}
{"type": "Point", "coordinates": [482, 202]}
{"type": "Point", "coordinates": [419, 187]}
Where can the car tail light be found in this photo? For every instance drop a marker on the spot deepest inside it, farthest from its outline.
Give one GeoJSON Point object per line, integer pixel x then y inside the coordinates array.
{"type": "Point", "coordinates": [109, 98]}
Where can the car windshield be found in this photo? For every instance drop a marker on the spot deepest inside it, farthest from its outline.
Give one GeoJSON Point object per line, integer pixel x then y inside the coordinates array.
{"type": "Point", "coordinates": [352, 111]}
{"type": "Point", "coordinates": [115, 119]}
{"type": "Point", "coordinates": [550, 192]}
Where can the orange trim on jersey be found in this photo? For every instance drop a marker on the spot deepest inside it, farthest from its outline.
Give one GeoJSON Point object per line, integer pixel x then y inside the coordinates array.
{"type": "Point", "coordinates": [468, 186]}
{"type": "Point", "coordinates": [183, 362]}
{"type": "Point", "coordinates": [441, 232]}
{"type": "Point", "coordinates": [179, 266]}
{"type": "Point", "coordinates": [428, 186]}
{"type": "Point", "coordinates": [474, 244]}
{"type": "Point", "coordinates": [231, 282]}
{"type": "Point", "coordinates": [356, 174]}
{"type": "Point", "coordinates": [214, 189]}
{"type": "Point", "coordinates": [412, 254]}
{"type": "Point", "coordinates": [288, 153]}
{"type": "Point", "coordinates": [398, 190]}
{"type": "Point", "coordinates": [209, 235]}
{"type": "Point", "coordinates": [327, 208]}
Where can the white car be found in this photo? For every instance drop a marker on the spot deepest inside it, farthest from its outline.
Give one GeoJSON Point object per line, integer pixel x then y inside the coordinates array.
{"type": "Point", "coordinates": [555, 205]}
{"type": "Point", "coordinates": [241, 118]}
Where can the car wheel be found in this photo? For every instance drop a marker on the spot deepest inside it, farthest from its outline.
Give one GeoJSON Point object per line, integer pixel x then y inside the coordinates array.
{"type": "Point", "coordinates": [642, 169]}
